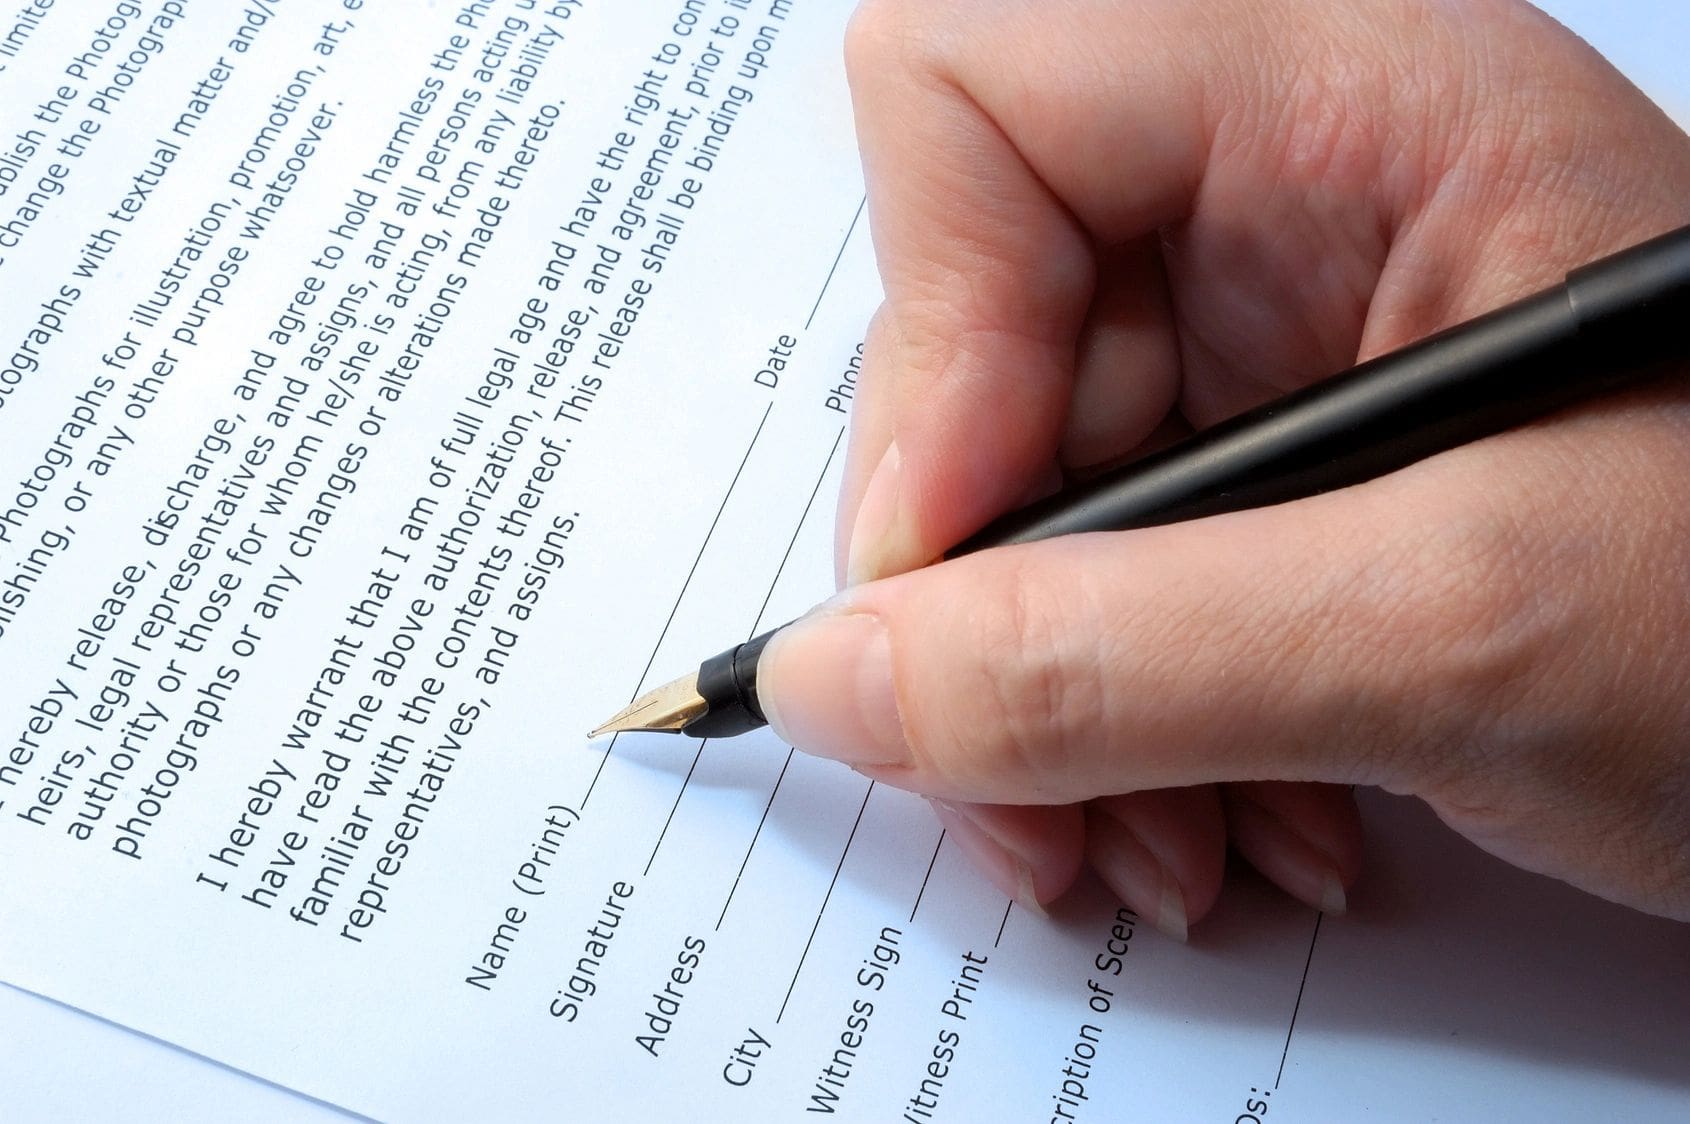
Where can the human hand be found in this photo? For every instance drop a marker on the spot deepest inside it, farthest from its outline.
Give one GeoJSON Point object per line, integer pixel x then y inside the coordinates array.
{"type": "Point", "coordinates": [1101, 222]}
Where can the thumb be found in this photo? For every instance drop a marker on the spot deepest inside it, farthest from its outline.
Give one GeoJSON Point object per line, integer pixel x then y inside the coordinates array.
{"type": "Point", "coordinates": [1340, 638]}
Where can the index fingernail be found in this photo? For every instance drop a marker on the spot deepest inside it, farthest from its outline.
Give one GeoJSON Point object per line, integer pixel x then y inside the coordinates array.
{"type": "Point", "coordinates": [877, 536]}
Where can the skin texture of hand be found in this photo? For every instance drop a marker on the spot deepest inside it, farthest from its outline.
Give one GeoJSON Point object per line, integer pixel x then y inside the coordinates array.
{"type": "Point", "coordinates": [1102, 223]}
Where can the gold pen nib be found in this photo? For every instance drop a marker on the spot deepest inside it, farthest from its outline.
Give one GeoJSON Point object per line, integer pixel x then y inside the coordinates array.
{"type": "Point", "coordinates": [670, 708]}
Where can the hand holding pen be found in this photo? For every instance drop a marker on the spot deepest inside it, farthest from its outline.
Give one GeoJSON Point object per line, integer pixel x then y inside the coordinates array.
{"type": "Point", "coordinates": [1105, 223]}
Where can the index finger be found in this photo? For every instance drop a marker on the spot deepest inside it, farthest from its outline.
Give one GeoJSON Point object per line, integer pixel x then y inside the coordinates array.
{"type": "Point", "coordinates": [988, 266]}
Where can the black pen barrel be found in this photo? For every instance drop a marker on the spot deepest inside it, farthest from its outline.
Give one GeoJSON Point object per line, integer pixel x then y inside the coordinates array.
{"type": "Point", "coordinates": [1611, 323]}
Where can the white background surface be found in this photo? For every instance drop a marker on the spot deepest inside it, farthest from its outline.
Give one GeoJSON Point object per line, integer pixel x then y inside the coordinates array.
{"type": "Point", "coordinates": [55, 1061]}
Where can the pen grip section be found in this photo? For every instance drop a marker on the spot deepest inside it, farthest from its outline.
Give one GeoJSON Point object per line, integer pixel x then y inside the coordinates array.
{"type": "Point", "coordinates": [728, 683]}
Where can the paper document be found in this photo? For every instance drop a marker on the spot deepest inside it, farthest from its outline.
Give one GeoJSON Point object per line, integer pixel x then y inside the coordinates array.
{"type": "Point", "coordinates": [389, 392]}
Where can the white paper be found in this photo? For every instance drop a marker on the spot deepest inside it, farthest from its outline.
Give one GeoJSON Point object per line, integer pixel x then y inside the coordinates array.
{"type": "Point", "coordinates": [487, 917]}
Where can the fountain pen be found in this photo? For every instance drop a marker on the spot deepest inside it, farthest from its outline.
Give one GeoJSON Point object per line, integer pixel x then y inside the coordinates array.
{"type": "Point", "coordinates": [1610, 324]}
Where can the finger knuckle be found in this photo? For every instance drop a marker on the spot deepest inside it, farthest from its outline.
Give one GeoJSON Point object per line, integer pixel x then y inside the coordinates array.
{"type": "Point", "coordinates": [882, 35]}
{"type": "Point", "coordinates": [1479, 620]}
{"type": "Point", "coordinates": [1027, 702]}
{"type": "Point", "coordinates": [863, 39]}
